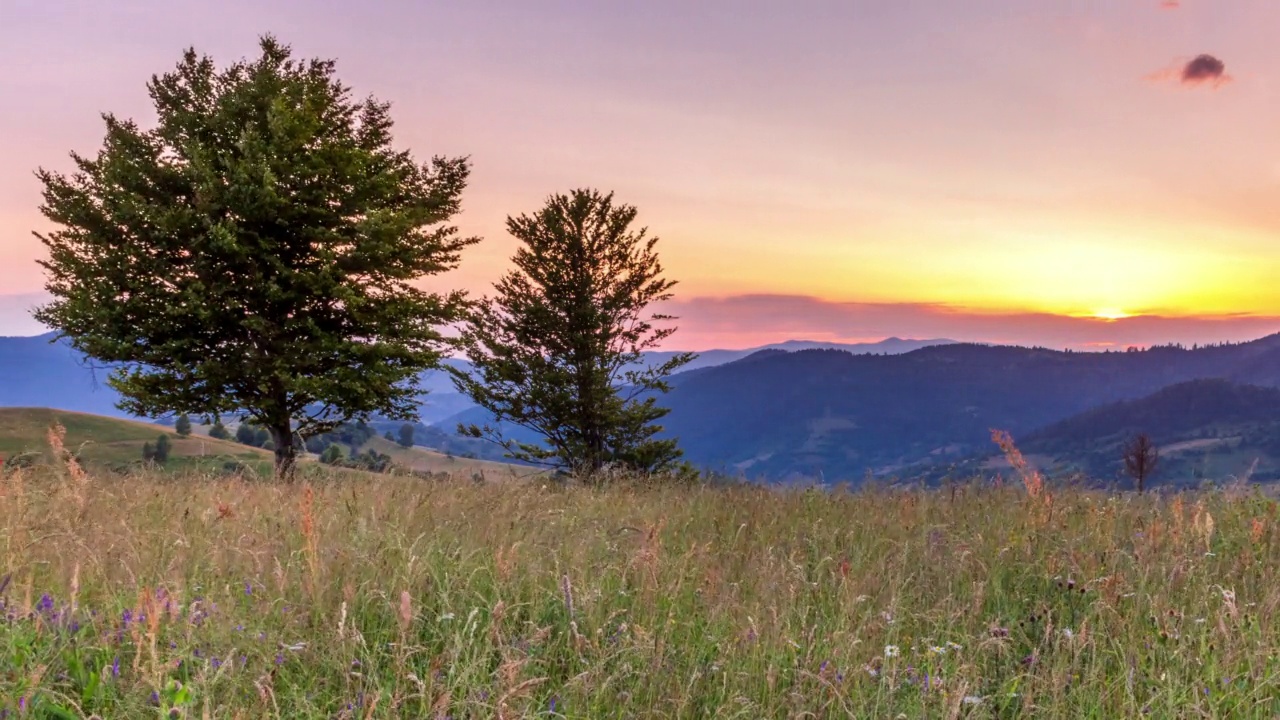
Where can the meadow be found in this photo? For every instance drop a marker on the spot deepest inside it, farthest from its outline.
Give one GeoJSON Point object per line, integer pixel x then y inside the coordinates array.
{"type": "Point", "coordinates": [358, 596]}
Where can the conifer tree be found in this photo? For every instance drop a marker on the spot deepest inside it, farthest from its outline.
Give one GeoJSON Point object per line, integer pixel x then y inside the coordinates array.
{"type": "Point", "coordinates": [218, 431]}
{"type": "Point", "coordinates": [183, 425]}
{"type": "Point", "coordinates": [558, 349]}
{"type": "Point", "coordinates": [257, 253]}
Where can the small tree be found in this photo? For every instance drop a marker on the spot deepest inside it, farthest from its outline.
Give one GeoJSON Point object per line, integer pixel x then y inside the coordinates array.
{"type": "Point", "coordinates": [557, 350]}
{"type": "Point", "coordinates": [218, 431]}
{"type": "Point", "coordinates": [1140, 459]}
{"type": "Point", "coordinates": [257, 253]}
{"type": "Point", "coordinates": [183, 426]}
{"type": "Point", "coordinates": [246, 435]}
{"type": "Point", "coordinates": [148, 452]}
{"type": "Point", "coordinates": [162, 449]}
{"type": "Point", "coordinates": [405, 439]}
{"type": "Point", "coordinates": [331, 454]}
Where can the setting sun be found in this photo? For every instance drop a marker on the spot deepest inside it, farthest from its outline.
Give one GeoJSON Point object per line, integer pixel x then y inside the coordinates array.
{"type": "Point", "coordinates": [1111, 314]}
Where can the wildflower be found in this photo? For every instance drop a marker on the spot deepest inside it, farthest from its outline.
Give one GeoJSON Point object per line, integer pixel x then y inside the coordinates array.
{"type": "Point", "coordinates": [553, 706]}
{"type": "Point", "coordinates": [279, 659]}
{"type": "Point", "coordinates": [446, 616]}
{"type": "Point", "coordinates": [891, 651]}
{"type": "Point", "coordinates": [1068, 634]}
{"type": "Point", "coordinates": [936, 650]}
{"type": "Point", "coordinates": [972, 700]}
{"type": "Point", "coordinates": [954, 646]}
{"type": "Point", "coordinates": [115, 667]}
{"type": "Point", "coordinates": [248, 589]}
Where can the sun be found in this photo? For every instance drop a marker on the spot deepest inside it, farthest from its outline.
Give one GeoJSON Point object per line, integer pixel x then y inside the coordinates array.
{"type": "Point", "coordinates": [1111, 314]}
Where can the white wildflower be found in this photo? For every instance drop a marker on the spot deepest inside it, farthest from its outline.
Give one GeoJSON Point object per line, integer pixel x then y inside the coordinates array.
{"type": "Point", "coordinates": [972, 700]}
{"type": "Point", "coordinates": [891, 651]}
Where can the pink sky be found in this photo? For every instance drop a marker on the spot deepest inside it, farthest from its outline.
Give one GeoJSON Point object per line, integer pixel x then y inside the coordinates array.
{"type": "Point", "coordinates": [994, 170]}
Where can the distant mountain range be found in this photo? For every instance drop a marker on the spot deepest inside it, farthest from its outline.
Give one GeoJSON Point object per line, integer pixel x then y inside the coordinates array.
{"type": "Point", "coordinates": [1203, 429]}
{"type": "Point", "coordinates": [36, 372]}
{"type": "Point", "coordinates": [839, 416]}
{"type": "Point", "coordinates": [900, 408]}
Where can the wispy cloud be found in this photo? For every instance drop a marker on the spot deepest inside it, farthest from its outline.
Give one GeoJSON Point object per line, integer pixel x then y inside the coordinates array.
{"type": "Point", "coordinates": [1170, 4]}
{"type": "Point", "coordinates": [749, 320]}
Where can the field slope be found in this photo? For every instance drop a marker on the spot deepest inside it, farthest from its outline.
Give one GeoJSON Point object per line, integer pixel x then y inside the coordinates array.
{"type": "Point", "coordinates": [99, 440]}
{"type": "Point", "coordinates": [426, 460]}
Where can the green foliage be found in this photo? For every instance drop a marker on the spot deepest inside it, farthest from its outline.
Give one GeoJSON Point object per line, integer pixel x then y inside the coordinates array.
{"type": "Point", "coordinates": [246, 434]}
{"type": "Point", "coordinates": [163, 447]}
{"type": "Point", "coordinates": [218, 431]}
{"type": "Point", "coordinates": [405, 436]}
{"type": "Point", "coordinates": [183, 425]}
{"type": "Point", "coordinates": [257, 252]}
{"type": "Point", "coordinates": [556, 350]}
{"type": "Point", "coordinates": [159, 452]}
{"type": "Point", "coordinates": [331, 455]}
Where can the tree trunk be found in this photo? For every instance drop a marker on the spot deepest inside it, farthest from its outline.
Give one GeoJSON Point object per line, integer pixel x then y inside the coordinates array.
{"type": "Point", "coordinates": [286, 453]}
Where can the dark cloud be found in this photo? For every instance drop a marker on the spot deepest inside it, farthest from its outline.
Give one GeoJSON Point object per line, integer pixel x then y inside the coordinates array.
{"type": "Point", "coordinates": [1204, 69]}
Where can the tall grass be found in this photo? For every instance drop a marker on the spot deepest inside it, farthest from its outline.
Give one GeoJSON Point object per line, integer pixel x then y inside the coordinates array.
{"type": "Point", "coordinates": [227, 598]}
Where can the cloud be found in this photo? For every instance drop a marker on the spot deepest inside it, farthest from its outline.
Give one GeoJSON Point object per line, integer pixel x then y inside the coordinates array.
{"type": "Point", "coordinates": [750, 320]}
{"type": "Point", "coordinates": [1170, 4]}
{"type": "Point", "coordinates": [1204, 69]}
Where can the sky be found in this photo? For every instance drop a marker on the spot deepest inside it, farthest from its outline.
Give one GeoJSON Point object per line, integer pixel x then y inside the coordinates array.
{"type": "Point", "coordinates": [1066, 173]}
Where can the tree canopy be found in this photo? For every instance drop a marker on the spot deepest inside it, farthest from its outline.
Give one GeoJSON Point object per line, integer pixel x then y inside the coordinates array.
{"type": "Point", "coordinates": [558, 349]}
{"type": "Point", "coordinates": [257, 252]}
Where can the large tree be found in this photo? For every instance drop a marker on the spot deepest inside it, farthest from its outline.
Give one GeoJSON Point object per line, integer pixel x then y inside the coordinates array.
{"type": "Point", "coordinates": [558, 349]}
{"type": "Point", "coordinates": [255, 253]}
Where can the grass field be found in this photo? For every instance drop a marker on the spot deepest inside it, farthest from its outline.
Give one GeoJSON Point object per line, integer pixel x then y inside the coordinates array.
{"type": "Point", "coordinates": [103, 441]}
{"type": "Point", "coordinates": [394, 597]}
{"type": "Point", "coordinates": [422, 459]}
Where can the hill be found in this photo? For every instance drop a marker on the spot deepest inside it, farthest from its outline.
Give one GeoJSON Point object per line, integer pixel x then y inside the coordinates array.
{"type": "Point", "coordinates": [427, 460]}
{"type": "Point", "coordinates": [1203, 428]}
{"type": "Point", "coordinates": [834, 415]}
{"type": "Point", "coordinates": [114, 442]}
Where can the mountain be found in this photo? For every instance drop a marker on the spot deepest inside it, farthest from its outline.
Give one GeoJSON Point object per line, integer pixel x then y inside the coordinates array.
{"type": "Point", "coordinates": [838, 416]}
{"type": "Point", "coordinates": [1203, 428]}
{"type": "Point", "coordinates": [707, 359]}
{"type": "Point", "coordinates": [37, 372]}
{"type": "Point", "coordinates": [712, 358]}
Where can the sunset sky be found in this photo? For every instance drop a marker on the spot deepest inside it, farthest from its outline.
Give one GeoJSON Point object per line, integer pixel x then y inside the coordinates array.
{"type": "Point", "coordinates": [1029, 171]}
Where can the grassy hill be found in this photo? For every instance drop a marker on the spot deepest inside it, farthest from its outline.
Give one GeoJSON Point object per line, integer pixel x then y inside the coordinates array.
{"type": "Point", "coordinates": [115, 442]}
{"type": "Point", "coordinates": [104, 442]}
{"type": "Point", "coordinates": [425, 460]}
